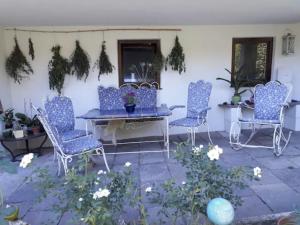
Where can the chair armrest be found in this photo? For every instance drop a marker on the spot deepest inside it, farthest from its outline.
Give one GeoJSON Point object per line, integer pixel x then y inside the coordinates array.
{"type": "Point", "coordinates": [285, 105]}
{"type": "Point", "coordinates": [245, 105]}
{"type": "Point", "coordinates": [176, 106]}
{"type": "Point", "coordinates": [200, 111]}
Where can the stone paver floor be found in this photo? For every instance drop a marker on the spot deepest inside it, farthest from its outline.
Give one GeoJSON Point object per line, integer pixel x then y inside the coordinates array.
{"type": "Point", "coordinates": [278, 190]}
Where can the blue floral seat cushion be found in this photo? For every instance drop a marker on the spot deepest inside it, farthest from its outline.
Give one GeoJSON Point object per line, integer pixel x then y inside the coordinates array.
{"type": "Point", "coordinates": [72, 134]}
{"type": "Point", "coordinates": [187, 122]}
{"type": "Point", "coordinates": [259, 121]}
{"type": "Point", "coordinates": [81, 145]}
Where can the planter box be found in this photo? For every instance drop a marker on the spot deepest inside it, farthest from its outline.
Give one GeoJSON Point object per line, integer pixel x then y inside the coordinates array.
{"type": "Point", "coordinates": [18, 133]}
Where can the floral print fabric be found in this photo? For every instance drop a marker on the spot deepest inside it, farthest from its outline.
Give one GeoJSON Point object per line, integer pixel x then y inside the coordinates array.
{"type": "Point", "coordinates": [268, 100]}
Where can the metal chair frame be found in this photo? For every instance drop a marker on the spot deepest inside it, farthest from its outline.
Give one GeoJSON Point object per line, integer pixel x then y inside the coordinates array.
{"type": "Point", "coordinates": [62, 157]}
{"type": "Point", "coordinates": [278, 135]}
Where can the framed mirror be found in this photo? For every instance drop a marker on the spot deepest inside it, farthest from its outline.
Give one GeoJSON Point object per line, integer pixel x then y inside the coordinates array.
{"type": "Point", "coordinates": [252, 60]}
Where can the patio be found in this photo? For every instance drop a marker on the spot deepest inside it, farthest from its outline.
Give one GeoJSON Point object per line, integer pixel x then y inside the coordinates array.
{"type": "Point", "coordinates": [278, 190]}
{"type": "Point", "coordinates": [129, 80]}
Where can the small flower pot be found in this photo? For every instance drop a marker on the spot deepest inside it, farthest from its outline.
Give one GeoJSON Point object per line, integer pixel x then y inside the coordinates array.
{"type": "Point", "coordinates": [287, 220]}
{"type": "Point", "coordinates": [235, 99]}
{"type": "Point", "coordinates": [35, 130]}
{"type": "Point", "coordinates": [129, 108]}
{"type": "Point", "coordinates": [18, 134]}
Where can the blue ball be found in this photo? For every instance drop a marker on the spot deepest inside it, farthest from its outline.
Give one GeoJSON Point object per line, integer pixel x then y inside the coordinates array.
{"type": "Point", "coordinates": [220, 211]}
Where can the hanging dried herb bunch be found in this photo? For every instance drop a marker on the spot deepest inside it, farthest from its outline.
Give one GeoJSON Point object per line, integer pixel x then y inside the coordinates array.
{"type": "Point", "coordinates": [31, 49]}
{"type": "Point", "coordinates": [158, 61]}
{"type": "Point", "coordinates": [103, 63]}
{"type": "Point", "coordinates": [58, 68]}
{"type": "Point", "coordinates": [16, 64]}
{"type": "Point", "coordinates": [80, 62]}
{"type": "Point", "coordinates": [176, 58]}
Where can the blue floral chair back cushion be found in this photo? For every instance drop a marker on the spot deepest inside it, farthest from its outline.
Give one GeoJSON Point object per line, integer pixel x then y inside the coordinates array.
{"type": "Point", "coordinates": [60, 113]}
{"type": "Point", "coordinates": [111, 98]}
{"type": "Point", "coordinates": [198, 98]}
{"type": "Point", "coordinates": [51, 128]}
{"type": "Point", "coordinates": [268, 100]}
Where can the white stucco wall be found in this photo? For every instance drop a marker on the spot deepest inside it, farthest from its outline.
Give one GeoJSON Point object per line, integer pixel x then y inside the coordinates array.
{"type": "Point", "coordinates": [4, 81]}
{"type": "Point", "coordinates": [207, 50]}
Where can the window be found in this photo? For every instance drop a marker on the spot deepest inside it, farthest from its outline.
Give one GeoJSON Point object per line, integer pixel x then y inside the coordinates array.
{"type": "Point", "coordinates": [135, 61]}
{"type": "Point", "coordinates": [252, 60]}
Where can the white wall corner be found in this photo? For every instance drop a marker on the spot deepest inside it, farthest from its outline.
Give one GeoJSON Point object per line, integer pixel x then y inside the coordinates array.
{"type": "Point", "coordinates": [5, 93]}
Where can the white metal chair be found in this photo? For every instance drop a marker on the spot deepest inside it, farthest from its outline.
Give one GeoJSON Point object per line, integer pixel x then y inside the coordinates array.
{"type": "Point", "coordinates": [270, 102]}
{"type": "Point", "coordinates": [65, 151]}
{"type": "Point", "coordinates": [197, 107]}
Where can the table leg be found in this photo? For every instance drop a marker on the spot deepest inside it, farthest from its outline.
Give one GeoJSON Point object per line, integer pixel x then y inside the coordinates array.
{"type": "Point", "coordinates": [41, 145]}
{"type": "Point", "coordinates": [167, 136]}
{"type": "Point", "coordinates": [13, 157]}
{"type": "Point", "coordinates": [27, 145]}
{"type": "Point", "coordinates": [86, 127]}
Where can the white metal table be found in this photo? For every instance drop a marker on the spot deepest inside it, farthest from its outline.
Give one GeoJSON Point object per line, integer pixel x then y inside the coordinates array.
{"type": "Point", "coordinates": [162, 112]}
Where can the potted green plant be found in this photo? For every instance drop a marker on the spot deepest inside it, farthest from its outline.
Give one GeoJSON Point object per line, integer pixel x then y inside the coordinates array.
{"type": "Point", "coordinates": [236, 84]}
{"type": "Point", "coordinates": [129, 102]}
{"type": "Point", "coordinates": [33, 124]}
{"type": "Point", "coordinates": [8, 118]}
{"type": "Point", "coordinates": [18, 131]}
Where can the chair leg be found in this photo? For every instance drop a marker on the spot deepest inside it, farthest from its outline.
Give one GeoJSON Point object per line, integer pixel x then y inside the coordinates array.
{"type": "Point", "coordinates": [65, 164]}
{"type": "Point", "coordinates": [278, 137]}
{"type": "Point", "coordinates": [59, 165]}
{"type": "Point", "coordinates": [208, 133]}
{"type": "Point", "coordinates": [234, 136]}
{"type": "Point", "coordinates": [191, 135]}
{"type": "Point", "coordinates": [54, 155]}
{"type": "Point", "coordinates": [104, 157]}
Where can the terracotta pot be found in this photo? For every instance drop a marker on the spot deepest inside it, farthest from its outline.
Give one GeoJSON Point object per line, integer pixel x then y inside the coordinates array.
{"type": "Point", "coordinates": [284, 220]}
{"type": "Point", "coordinates": [35, 130]}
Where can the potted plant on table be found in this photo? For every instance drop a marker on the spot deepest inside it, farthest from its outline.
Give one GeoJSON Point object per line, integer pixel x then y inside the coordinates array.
{"type": "Point", "coordinates": [8, 118]}
{"type": "Point", "coordinates": [33, 124]}
{"type": "Point", "coordinates": [236, 84]}
{"type": "Point", "coordinates": [18, 131]}
{"type": "Point", "coordinates": [129, 102]}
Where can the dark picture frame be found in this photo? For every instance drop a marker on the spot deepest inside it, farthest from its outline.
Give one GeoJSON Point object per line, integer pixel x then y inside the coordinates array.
{"type": "Point", "coordinates": [152, 45]}
{"type": "Point", "coordinates": [252, 60]}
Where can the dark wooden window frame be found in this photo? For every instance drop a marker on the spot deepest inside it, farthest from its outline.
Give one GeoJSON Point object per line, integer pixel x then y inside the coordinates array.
{"type": "Point", "coordinates": [269, 41]}
{"type": "Point", "coordinates": [136, 42]}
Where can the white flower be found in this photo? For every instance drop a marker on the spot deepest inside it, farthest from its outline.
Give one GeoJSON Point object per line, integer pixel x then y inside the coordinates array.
{"type": "Point", "coordinates": [80, 199]}
{"type": "Point", "coordinates": [201, 146]}
{"type": "Point", "coordinates": [101, 193]}
{"type": "Point", "coordinates": [100, 172]}
{"type": "Point", "coordinates": [98, 178]}
{"type": "Point", "coordinates": [127, 164]}
{"type": "Point", "coordinates": [104, 172]}
{"type": "Point", "coordinates": [96, 183]}
{"type": "Point", "coordinates": [82, 219]}
{"type": "Point", "coordinates": [183, 183]}
{"type": "Point", "coordinates": [214, 153]}
{"type": "Point", "coordinates": [26, 160]}
{"type": "Point", "coordinates": [257, 172]}
{"type": "Point", "coordinates": [148, 189]}
{"type": "Point", "coordinates": [220, 150]}
{"type": "Point", "coordinates": [7, 206]}
{"type": "Point", "coordinates": [197, 150]}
